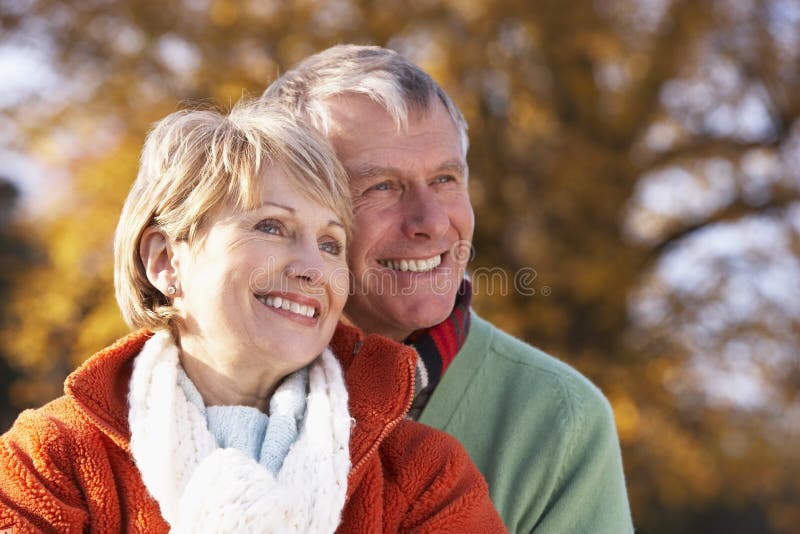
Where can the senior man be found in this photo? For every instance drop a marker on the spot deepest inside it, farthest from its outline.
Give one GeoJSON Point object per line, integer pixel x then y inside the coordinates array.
{"type": "Point", "coordinates": [542, 435]}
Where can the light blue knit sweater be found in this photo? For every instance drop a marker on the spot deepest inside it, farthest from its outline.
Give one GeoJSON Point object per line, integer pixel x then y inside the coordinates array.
{"type": "Point", "coordinates": [265, 438]}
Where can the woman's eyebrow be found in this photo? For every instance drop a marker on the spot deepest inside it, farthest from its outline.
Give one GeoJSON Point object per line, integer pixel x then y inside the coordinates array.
{"type": "Point", "coordinates": [275, 204]}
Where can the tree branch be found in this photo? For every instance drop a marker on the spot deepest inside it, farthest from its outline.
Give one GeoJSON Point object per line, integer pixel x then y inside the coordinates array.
{"type": "Point", "coordinates": [686, 20]}
{"type": "Point", "coordinates": [706, 148]}
{"type": "Point", "coordinates": [781, 199]}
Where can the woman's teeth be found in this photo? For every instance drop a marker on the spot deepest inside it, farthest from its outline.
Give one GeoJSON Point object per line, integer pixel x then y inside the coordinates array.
{"type": "Point", "coordinates": [288, 305]}
{"type": "Point", "coordinates": [416, 266]}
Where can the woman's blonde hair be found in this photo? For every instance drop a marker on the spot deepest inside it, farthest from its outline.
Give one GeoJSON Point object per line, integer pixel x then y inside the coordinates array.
{"type": "Point", "coordinates": [195, 160]}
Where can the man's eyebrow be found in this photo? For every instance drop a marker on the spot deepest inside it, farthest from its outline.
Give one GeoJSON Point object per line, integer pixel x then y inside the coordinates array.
{"type": "Point", "coordinates": [370, 170]}
{"type": "Point", "coordinates": [454, 166]}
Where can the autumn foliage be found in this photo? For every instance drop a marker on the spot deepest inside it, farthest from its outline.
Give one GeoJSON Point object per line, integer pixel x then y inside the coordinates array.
{"type": "Point", "coordinates": [638, 161]}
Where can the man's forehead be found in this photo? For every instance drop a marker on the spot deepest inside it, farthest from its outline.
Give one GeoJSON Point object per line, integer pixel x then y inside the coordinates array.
{"type": "Point", "coordinates": [346, 109]}
{"type": "Point", "coordinates": [370, 143]}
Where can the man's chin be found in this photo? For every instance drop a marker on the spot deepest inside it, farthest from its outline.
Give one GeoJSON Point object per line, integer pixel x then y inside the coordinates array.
{"type": "Point", "coordinates": [398, 317]}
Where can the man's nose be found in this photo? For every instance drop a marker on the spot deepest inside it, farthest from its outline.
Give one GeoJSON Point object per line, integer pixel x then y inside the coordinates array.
{"type": "Point", "coordinates": [425, 215]}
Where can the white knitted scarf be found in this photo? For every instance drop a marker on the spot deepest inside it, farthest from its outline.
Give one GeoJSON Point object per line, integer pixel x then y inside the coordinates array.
{"type": "Point", "coordinates": [203, 488]}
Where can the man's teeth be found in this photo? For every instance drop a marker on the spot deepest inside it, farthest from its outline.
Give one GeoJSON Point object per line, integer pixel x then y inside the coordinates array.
{"type": "Point", "coordinates": [416, 266]}
{"type": "Point", "coordinates": [288, 305]}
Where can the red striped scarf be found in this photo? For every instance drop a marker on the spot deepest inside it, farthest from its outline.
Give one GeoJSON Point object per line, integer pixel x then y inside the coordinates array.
{"type": "Point", "coordinates": [437, 347]}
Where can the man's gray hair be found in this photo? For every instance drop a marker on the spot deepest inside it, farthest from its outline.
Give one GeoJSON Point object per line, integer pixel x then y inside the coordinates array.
{"type": "Point", "coordinates": [381, 74]}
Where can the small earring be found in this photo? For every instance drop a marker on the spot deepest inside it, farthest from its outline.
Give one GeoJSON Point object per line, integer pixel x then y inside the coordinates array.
{"type": "Point", "coordinates": [171, 290]}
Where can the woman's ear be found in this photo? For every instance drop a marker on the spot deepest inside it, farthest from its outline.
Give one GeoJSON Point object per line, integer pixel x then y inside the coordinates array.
{"type": "Point", "coordinates": [156, 253]}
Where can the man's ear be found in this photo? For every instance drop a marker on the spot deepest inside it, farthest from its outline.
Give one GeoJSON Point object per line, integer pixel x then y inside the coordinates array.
{"type": "Point", "coordinates": [156, 253]}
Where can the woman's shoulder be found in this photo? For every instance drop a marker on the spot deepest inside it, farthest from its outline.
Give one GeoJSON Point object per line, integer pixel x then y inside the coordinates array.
{"type": "Point", "coordinates": [408, 436]}
{"type": "Point", "coordinates": [48, 431]}
{"type": "Point", "coordinates": [418, 448]}
{"type": "Point", "coordinates": [94, 404]}
{"type": "Point", "coordinates": [40, 449]}
{"type": "Point", "coordinates": [443, 488]}
{"type": "Point", "coordinates": [47, 462]}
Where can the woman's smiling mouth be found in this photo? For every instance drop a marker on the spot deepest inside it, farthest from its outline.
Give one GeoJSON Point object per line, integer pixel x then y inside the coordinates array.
{"type": "Point", "coordinates": [289, 305]}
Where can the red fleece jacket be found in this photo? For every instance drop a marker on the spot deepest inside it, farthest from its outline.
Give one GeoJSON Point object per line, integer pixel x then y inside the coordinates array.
{"type": "Point", "coordinates": [67, 467]}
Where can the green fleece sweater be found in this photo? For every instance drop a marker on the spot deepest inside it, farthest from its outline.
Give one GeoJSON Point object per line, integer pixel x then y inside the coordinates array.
{"type": "Point", "coordinates": [542, 435]}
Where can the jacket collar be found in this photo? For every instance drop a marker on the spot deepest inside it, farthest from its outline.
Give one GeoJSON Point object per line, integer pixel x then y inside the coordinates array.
{"type": "Point", "coordinates": [379, 374]}
{"type": "Point", "coordinates": [100, 386]}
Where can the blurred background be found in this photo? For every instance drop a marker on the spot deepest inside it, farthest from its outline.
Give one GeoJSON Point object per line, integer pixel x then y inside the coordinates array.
{"type": "Point", "coordinates": [639, 160]}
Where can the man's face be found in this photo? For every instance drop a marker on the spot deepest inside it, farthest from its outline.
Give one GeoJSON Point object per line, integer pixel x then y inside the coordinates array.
{"type": "Point", "coordinates": [413, 218]}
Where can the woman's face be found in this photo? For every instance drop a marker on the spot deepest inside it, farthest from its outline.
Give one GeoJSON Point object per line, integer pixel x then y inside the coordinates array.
{"type": "Point", "coordinates": [264, 289]}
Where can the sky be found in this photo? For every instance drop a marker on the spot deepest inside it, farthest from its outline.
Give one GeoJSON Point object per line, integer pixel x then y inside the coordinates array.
{"type": "Point", "coordinates": [27, 77]}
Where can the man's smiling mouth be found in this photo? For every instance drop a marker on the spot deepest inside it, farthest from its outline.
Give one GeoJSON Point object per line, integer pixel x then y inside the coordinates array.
{"type": "Point", "coordinates": [416, 265]}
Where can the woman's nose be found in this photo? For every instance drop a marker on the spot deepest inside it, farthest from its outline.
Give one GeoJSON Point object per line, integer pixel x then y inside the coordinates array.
{"type": "Point", "coordinates": [309, 265]}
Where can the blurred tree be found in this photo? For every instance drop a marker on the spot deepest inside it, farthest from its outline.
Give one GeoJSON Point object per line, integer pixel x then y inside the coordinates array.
{"type": "Point", "coordinates": [15, 255]}
{"type": "Point", "coordinates": [634, 169]}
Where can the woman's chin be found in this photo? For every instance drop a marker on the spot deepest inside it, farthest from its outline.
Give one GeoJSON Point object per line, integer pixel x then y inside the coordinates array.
{"type": "Point", "coordinates": [290, 352]}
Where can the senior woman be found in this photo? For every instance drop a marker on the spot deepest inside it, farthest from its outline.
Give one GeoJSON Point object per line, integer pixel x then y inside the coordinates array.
{"type": "Point", "coordinates": [227, 411]}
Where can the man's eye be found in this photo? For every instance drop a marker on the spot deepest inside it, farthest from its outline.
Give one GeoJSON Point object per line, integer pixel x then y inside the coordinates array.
{"type": "Point", "coordinates": [445, 178]}
{"type": "Point", "coordinates": [332, 247]}
{"type": "Point", "coordinates": [270, 226]}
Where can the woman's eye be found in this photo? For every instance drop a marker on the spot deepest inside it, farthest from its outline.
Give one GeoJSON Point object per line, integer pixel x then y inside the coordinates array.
{"type": "Point", "coordinates": [332, 247]}
{"type": "Point", "coordinates": [383, 186]}
{"type": "Point", "coordinates": [270, 226]}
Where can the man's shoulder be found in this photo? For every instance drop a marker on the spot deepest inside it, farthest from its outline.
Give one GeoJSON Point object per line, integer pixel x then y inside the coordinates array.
{"type": "Point", "coordinates": [527, 368]}
{"type": "Point", "coordinates": [530, 422]}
